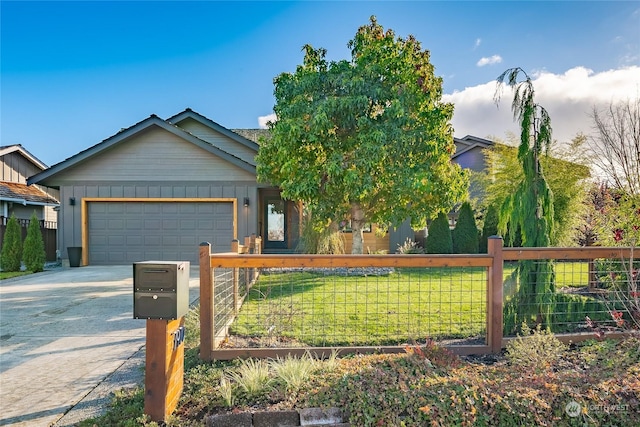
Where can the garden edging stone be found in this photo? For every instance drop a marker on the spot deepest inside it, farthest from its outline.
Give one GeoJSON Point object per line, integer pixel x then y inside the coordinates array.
{"type": "Point", "coordinates": [314, 417]}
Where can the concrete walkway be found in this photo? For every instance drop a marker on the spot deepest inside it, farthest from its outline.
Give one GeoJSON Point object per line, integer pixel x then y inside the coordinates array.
{"type": "Point", "coordinates": [67, 340]}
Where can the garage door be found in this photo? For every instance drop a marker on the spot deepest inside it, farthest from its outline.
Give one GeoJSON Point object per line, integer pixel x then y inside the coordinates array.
{"type": "Point", "coordinates": [127, 232]}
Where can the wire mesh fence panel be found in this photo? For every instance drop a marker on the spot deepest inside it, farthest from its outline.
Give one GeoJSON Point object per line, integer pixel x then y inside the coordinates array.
{"type": "Point", "coordinates": [578, 295]}
{"type": "Point", "coordinates": [326, 307]}
{"type": "Point", "coordinates": [223, 301]}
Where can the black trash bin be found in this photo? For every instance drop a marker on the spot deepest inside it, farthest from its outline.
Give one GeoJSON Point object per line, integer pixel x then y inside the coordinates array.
{"type": "Point", "coordinates": [75, 255]}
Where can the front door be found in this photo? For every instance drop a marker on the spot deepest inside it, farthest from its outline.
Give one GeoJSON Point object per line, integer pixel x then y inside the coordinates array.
{"type": "Point", "coordinates": [275, 223]}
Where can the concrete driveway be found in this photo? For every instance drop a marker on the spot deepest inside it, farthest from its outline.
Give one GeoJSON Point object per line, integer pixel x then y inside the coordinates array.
{"type": "Point", "coordinates": [67, 340]}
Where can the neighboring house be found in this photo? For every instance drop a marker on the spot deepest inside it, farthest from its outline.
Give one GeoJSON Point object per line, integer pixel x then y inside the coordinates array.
{"type": "Point", "coordinates": [21, 200]}
{"type": "Point", "coordinates": [156, 190]}
{"type": "Point", "coordinates": [470, 152]}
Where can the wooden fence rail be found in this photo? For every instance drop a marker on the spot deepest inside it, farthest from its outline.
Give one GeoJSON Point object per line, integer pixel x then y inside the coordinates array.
{"type": "Point", "coordinates": [246, 261]}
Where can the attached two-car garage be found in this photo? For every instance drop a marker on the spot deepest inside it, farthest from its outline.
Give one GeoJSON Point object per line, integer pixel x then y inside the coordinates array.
{"type": "Point", "coordinates": [127, 231]}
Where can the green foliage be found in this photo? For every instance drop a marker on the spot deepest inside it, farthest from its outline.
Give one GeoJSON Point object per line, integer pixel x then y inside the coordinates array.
{"type": "Point", "coordinates": [536, 350]}
{"type": "Point", "coordinates": [33, 253]}
{"type": "Point", "coordinates": [294, 372]}
{"type": "Point", "coordinates": [227, 390]}
{"type": "Point", "coordinates": [530, 207]}
{"type": "Point", "coordinates": [252, 377]}
{"type": "Point", "coordinates": [11, 255]}
{"type": "Point", "coordinates": [425, 386]}
{"type": "Point", "coordinates": [489, 228]}
{"type": "Point", "coordinates": [326, 240]}
{"type": "Point", "coordinates": [351, 136]}
{"type": "Point", "coordinates": [125, 410]}
{"type": "Point", "coordinates": [465, 234]}
{"type": "Point", "coordinates": [439, 239]}
{"type": "Point", "coordinates": [409, 246]}
{"type": "Point", "coordinates": [564, 170]}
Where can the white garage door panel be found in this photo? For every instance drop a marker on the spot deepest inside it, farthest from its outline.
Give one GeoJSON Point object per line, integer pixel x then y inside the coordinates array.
{"type": "Point", "coordinates": [128, 232]}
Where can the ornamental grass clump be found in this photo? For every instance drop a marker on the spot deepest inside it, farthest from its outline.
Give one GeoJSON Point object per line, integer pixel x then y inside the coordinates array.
{"type": "Point", "coordinates": [294, 371]}
{"type": "Point", "coordinates": [252, 377]}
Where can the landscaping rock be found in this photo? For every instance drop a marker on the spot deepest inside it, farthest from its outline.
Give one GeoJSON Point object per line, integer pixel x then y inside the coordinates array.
{"type": "Point", "coordinates": [276, 419]}
{"type": "Point", "coordinates": [320, 417]}
{"type": "Point", "coordinates": [243, 419]}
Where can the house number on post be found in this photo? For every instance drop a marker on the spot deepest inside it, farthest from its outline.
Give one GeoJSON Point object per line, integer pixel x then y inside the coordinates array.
{"type": "Point", "coordinates": [178, 337]}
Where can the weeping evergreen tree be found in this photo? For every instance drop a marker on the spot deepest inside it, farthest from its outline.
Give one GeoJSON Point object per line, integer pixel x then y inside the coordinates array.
{"type": "Point", "coordinates": [529, 208]}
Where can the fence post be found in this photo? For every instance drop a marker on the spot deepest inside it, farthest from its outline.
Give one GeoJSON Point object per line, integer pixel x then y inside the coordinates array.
{"type": "Point", "coordinates": [494, 295]}
{"type": "Point", "coordinates": [206, 302]}
{"type": "Point", "coordinates": [249, 243]}
{"type": "Point", "coordinates": [235, 248]}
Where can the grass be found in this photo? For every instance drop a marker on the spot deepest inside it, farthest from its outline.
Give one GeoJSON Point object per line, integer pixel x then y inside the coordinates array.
{"type": "Point", "coordinates": [567, 274]}
{"type": "Point", "coordinates": [10, 274]}
{"type": "Point", "coordinates": [320, 310]}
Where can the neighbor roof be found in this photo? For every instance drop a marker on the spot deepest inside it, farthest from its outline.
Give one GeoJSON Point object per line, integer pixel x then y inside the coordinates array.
{"type": "Point", "coordinates": [23, 194]}
{"type": "Point", "coordinates": [7, 149]}
{"type": "Point", "coordinates": [468, 143]}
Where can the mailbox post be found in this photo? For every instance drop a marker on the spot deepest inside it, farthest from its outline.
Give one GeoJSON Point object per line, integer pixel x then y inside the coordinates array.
{"type": "Point", "coordinates": [161, 296]}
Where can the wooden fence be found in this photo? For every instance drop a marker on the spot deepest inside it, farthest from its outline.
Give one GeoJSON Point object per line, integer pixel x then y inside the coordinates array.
{"type": "Point", "coordinates": [222, 291]}
{"type": "Point", "coordinates": [49, 235]}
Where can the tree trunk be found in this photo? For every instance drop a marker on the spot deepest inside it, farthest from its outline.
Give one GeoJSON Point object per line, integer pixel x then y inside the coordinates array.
{"type": "Point", "coordinates": [357, 223]}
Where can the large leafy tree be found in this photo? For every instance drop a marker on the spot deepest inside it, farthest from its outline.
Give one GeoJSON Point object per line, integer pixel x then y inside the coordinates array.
{"type": "Point", "coordinates": [367, 139]}
{"type": "Point", "coordinates": [530, 207]}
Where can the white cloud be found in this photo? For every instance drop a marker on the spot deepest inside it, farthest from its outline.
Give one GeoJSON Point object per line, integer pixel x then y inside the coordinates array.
{"type": "Point", "coordinates": [478, 42]}
{"type": "Point", "coordinates": [262, 120]}
{"type": "Point", "coordinates": [568, 98]}
{"type": "Point", "coordinates": [495, 59]}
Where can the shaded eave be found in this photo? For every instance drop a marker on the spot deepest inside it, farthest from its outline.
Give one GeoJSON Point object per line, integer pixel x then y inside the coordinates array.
{"type": "Point", "coordinates": [125, 134]}
{"type": "Point", "coordinates": [190, 114]}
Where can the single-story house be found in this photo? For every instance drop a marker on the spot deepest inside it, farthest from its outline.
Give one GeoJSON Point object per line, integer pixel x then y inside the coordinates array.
{"type": "Point", "coordinates": [21, 200]}
{"type": "Point", "coordinates": [157, 189]}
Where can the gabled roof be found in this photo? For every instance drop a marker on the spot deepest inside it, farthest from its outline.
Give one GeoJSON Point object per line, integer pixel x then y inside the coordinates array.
{"type": "Point", "coordinates": [254, 134]}
{"type": "Point", "coordinates": [190, 114]}
{"type": "Point", "coordinates": [123, 135]}
{"type": "Point", "coordinates": [468, 143]}
{"type": "Point", "coordinates": [26, 195]}
{"type": "Point", "coordinates": [26, 154]}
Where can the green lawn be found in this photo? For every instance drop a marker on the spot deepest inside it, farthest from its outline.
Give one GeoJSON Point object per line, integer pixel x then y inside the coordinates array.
{"type": "Point", "coordinates": [10, 274]}
{"type": "Point", "coordinates": [409, 304]}
{"type": "Point", "coordinates": [568, 274]}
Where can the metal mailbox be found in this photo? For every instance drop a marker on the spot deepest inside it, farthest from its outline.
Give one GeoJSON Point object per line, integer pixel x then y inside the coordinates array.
{"type": "Point", "coordinates": [160, 289]}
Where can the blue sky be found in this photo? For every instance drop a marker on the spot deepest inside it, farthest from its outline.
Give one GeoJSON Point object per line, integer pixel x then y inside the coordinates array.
{"type": "Point", "coordinates": [75, 73]}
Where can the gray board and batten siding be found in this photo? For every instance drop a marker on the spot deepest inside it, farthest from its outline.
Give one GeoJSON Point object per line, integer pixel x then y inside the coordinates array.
{"type": "Point", "coordinates": [152, 192]}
